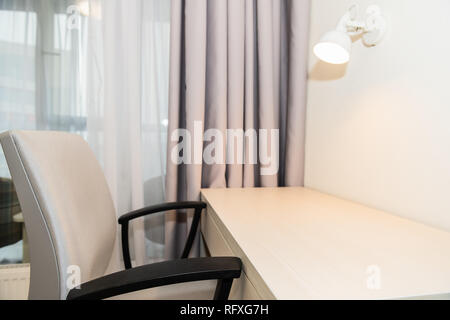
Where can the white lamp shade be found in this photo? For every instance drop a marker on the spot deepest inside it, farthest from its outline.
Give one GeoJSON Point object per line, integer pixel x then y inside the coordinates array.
{"type": "Point", "coordinates": [334, 47]}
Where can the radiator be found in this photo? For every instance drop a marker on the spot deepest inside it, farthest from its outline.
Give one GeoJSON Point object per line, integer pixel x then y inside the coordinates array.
{"type": "Point", "coordinates": [14, 282]}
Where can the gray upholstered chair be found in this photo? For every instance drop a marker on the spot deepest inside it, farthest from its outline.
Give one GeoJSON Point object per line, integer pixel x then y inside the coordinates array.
{"type": "Point", "coordinates": [71, 221]}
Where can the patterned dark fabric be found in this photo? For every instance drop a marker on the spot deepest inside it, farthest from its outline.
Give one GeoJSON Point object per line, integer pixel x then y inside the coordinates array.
{"type": "Point", "coordinates": [10, 232]}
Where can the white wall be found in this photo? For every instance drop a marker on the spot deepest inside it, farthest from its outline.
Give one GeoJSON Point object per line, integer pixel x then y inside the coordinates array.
{"type": "Point", "coordinates": [378, 129]}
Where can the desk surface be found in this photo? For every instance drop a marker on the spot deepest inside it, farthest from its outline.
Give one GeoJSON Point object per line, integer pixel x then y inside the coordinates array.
{"type": "Point", "coordinates": [308, 245]}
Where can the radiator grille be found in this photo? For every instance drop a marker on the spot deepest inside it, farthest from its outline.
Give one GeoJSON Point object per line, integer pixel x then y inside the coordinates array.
{"type": "Point", "coordinates": [14, 282]}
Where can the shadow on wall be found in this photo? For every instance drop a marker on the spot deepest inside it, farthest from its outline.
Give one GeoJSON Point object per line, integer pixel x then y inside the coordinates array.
{"type": "Point", "coordinates": [323, 71]}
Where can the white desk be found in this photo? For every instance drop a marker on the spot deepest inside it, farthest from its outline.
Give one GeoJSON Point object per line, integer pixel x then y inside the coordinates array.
{"type": "Point", "coordinates": [296, 243]}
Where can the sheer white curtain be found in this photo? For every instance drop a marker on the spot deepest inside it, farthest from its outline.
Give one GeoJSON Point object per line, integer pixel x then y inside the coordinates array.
{"type": "Point", "coordinates": [98, 68]}
{"type": "Point", "coordinates": [127, 107]}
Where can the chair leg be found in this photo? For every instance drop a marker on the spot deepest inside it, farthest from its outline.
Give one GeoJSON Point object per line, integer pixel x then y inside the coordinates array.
{"type": "Point", "coordinates": [223, 289]}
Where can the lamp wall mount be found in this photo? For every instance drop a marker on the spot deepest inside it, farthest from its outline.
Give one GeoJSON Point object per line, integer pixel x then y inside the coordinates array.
{"type": "Point", "coordinates": [371, 28]}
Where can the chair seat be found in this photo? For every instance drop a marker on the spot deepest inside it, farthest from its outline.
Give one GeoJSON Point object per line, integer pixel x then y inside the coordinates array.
{"type": "Point", "coordinates": [200, 290]}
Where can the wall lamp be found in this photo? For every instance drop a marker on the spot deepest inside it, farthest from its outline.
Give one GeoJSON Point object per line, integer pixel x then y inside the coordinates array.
{"type": "Point", "coordinates": [335, 46]}
{"type": "Point", "coordinates": [84, 7]}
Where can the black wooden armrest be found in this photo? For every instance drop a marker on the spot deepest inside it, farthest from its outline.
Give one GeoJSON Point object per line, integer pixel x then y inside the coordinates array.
{"type": "Point", "coordinates": [160, 208]}
{"type": "Point", "coordinates": [125, 219]}
{"type": "Point", "coordinates": [224, 269]}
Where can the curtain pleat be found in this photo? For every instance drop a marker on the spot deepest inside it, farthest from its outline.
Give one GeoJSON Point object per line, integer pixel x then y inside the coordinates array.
{"type": "Point", "coordinates": [235, 89]}
{"type": "Point", "coordinates": [216, 112]}
{"type": "Point", "coordinates": [251, 176]}
{"type": "Point", "coordinates": [298, 37]}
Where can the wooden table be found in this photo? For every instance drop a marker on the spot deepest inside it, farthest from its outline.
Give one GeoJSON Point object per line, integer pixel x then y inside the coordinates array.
{"type": "Point", "coordinates": [296, 243]}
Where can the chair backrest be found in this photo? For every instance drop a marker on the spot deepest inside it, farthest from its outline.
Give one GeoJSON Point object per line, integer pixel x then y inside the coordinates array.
{"type": "Point", "coordinates": [68, 211]}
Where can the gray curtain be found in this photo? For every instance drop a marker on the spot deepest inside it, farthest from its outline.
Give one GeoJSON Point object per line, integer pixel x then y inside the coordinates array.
{"type": "Point", "coordinates": [235, 64]}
